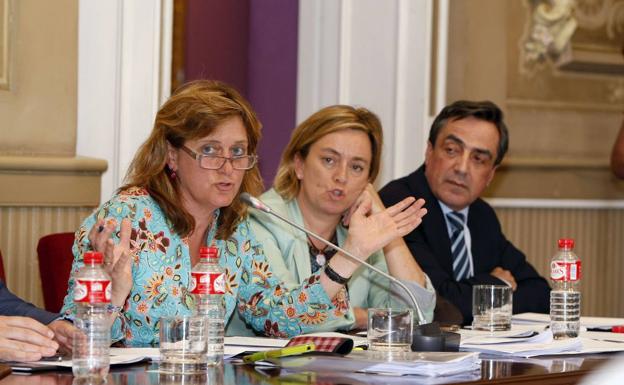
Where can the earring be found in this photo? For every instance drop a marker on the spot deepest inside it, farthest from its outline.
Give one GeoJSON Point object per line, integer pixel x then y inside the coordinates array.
{"type": "Point", "coordinates": [173, 175]}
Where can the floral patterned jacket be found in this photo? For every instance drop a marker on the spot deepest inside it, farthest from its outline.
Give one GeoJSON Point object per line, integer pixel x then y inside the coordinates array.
{"type": "Point", "coordinates": [161, 274]}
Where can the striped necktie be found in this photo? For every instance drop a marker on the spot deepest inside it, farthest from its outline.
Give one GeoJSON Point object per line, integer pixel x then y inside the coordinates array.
{"type": "Point", "coordinates": [461, 265]}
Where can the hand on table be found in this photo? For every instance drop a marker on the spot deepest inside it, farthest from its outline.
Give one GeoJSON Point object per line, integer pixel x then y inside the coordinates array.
{"type": "Point", "coordinates": [25, 339]}
{"type": "Point", "coordinates": [506, 276]}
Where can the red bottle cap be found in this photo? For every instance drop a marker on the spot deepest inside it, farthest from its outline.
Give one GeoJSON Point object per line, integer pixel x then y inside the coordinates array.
{"type": "Point", "coordinates": [617, 329]}
{"type": "Point", "coordinates": [566, 243]}
{"type": "Point", "coordinates": [93, 257]}
{"type": "Point", "coordinates": [208, 252]}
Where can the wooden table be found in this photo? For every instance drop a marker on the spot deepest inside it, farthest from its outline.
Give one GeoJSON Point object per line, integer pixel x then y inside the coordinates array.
{"type": "Point", "coordinates": [551, 371]}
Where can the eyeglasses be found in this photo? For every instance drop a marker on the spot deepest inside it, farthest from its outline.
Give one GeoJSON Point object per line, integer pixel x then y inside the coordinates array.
{"type": "Point", "coordinates": [215, 162]}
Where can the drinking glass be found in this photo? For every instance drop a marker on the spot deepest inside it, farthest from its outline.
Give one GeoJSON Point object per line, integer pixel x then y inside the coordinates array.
{"type": "Point", "coordinates": [390, 330]}
{"type": "Point", "coordinates": [183, 344]}
{"type": "Point", "coordinates": [491, 307]}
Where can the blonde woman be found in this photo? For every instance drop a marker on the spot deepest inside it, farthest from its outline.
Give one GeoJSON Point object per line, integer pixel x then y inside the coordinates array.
{"type": "Point", "coordinates": [325, 176]}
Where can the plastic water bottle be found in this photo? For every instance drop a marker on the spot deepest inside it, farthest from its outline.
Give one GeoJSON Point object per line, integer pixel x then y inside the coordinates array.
{"type": "Point", "coordinates": [208, 287]}
{"type": "Point", "coordinates": [565, 297]}
{"type": "Point", "coordinates": [92, 295]}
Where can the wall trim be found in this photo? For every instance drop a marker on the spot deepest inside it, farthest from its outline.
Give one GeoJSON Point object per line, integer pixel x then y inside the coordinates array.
{"type": "Point", "coordinates": [560, 105]}
{"type": "Point", "coordinates": [41, 164]}
{"type": "Point", "coordinates": [66, 181]}
{"type": "Point", "coordinates": [556, 203]}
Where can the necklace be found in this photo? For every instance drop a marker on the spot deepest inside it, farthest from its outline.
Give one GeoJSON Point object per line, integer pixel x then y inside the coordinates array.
{"type": "Point", "coordinates": [319, 257]}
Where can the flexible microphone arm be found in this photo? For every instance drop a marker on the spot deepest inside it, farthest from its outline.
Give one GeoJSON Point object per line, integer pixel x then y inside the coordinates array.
{"type": "Point", "coordinates": [259, 205]}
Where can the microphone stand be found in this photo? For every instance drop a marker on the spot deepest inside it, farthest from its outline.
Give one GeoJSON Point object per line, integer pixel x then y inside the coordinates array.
{"type": "Point", "coordinates": [426, 337]}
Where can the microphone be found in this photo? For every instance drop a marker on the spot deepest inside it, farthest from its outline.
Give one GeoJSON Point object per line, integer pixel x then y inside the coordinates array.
{"type": "Point", "coordinates": [259, 205]}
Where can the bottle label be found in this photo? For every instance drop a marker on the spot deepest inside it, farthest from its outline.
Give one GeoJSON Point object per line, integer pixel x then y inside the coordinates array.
{"type": "Point", "coordinates": [565, 271]}
{"type": "Point", "coordinates": [92, 291]}
{"type": "Point", "coordinates": [207, 283]}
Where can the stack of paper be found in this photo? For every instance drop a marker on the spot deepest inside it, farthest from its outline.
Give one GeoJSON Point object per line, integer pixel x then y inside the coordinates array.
{"type": "Point", "coordinates": [535, 340]}
{"type": "Point", "coordinates": [410, 363]}
{"type": "Point", "coordinates": [429, 364]}
{"type": "Point", "coordinates": [236, 345]}
{"type": "Point", "coordinates": [604, 323]}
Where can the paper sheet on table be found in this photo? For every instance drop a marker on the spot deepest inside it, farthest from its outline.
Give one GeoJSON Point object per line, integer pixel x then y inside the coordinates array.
{"type": "Point", "coordinates": [118, 356]}
{"type": "Point", "coordinates": [263, 343]}
{"type": "Point", "coordinates": [411, 363]}
{"type": "Point", "coordinates": [588, 322]}
{"type": "Point", "coordinates": [520, 349]}
{"type": "Point", "coordinates": [256, 343]}
{"type": "Point", "coordinates": [517, 334]}
{"type": "Point", "coordinates": [153, 354]}
{"type": "Point", "coordinates": [603, 336]}
{"type": "Point", "coordinates": [580, 345]}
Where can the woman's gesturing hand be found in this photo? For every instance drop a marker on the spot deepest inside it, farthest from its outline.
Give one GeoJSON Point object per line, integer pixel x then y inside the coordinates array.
{"type": "Point", "coordinates": [117, 261]}
{"type": "Point", "coordinates": [370, 230]}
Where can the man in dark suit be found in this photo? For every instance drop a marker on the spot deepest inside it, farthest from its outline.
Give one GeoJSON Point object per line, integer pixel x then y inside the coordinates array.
{"type": "Point", "coordinates": [460, 242]}
{"type": "Point", "coordinates": [24, 335]}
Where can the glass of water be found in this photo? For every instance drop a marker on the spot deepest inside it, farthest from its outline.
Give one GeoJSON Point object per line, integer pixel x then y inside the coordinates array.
{"type": "Point", "coordinates": [390, 330]}
{"type": "Point", "coordinates": [183, 344]}
{"type": "Point", "coordinates": [491, 307]}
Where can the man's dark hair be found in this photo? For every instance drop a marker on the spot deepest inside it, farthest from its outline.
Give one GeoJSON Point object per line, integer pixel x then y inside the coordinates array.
{"type": "Point", "coordinates": [484, 110]}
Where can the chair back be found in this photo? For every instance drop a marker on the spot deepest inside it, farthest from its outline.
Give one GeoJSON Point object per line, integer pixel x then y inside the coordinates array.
{"type": "Point", "coordinates": [55, 261]}
{"type": "Point", "coordinates": [2, 276]}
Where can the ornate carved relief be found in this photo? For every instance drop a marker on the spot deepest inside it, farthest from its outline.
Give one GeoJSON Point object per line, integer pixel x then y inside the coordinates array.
{"type": "Point", "coordinates": [581, 36]}
{"type": "Point", "coordinates": [552, 24]}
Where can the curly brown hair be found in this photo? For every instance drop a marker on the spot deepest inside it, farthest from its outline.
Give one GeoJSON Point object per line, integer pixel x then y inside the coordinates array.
{"type": "Point", "coordinates": [192, 112]}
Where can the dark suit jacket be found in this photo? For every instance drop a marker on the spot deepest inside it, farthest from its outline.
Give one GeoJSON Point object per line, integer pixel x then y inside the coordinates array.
{"type": "Point", "coordinates": [11, 305]}
{"type": "Point", "coordinates": [431, 246]}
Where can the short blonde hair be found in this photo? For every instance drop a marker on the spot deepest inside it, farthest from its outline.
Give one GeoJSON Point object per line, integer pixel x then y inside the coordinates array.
{"type": "Point", "coordinates": [326, 121]}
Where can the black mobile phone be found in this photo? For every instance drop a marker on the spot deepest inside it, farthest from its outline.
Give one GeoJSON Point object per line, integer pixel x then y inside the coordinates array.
{"type": "Point", "coordinates": [54, 358]}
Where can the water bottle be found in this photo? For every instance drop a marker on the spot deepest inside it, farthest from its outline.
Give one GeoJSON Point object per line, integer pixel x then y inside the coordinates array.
{"type": "Point", "coordinates": [208, 287]}
{"type": "Point", "coordinates": [92, 295]}
{"type": "Point", "coordinates": [565, 297]}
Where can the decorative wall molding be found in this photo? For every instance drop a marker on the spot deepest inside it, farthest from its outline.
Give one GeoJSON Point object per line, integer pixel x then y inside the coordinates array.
{"type": "Point", "coordinates": [582, 36]}
{"type": "Point", "coordinates": [5, 44]}
{"type": "Point", "coordinates": [562, 105]}
{"type": "Point", "coordinates": [598, 236]}
{"type": "Point", "coordinates": [66, 181]}
{"type": "Point", "coordinates": [589, 204]}
{"type": "Point", "coordinates": [345, 56]}
{"type": "Point", "coordinates": [20, 230]}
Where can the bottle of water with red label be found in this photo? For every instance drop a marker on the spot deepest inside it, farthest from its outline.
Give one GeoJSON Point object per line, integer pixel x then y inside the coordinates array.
{"type": "Point", "coordinates": [565, 297]}
{"type": "Point", "coordinates": [92, 296]}
{"type": "Point", "coordinates": [208, 287]}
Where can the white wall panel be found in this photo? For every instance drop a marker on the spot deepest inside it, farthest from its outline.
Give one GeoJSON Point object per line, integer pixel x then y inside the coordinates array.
{"type": "Point", "coordinates": [374, 54]}
{"type": "Point", "coordinates": [124, 65]}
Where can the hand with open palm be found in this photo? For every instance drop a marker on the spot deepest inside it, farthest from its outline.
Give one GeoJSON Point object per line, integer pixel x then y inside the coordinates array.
{"type": "Point", "coordinates": [117, 256]}
{"type": "Point", "coordinates": [370, 230]}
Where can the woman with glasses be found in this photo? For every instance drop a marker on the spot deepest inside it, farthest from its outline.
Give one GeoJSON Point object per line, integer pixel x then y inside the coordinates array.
{"type": "Point", "coordinates": [181, 193]}
{"type": "Point", "coordinates": [324, 175]}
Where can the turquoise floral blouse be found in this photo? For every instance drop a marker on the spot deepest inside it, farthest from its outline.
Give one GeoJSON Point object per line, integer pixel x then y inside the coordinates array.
{"type": "Point", "coordinates": [161, 273]}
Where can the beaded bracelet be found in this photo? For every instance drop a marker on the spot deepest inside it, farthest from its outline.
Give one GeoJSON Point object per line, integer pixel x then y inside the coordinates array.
{"type": "Point", "coordinates": [331, 274]}
{"type": "Point", "coordinates": [112, 309]}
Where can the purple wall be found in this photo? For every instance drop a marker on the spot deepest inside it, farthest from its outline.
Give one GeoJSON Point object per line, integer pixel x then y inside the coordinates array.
{"type": "Point", "coordinates": [273, 76]}
{"type": "Point", "coordinates": [253, 46]}
{"type": "Point", "coordinates": [216, 41]}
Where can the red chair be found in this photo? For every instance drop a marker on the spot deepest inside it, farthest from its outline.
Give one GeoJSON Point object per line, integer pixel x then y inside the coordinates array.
{"type": "Point", "coordinates": [55, 260]}
{"type": "Point", "coordinates": [2, 277]}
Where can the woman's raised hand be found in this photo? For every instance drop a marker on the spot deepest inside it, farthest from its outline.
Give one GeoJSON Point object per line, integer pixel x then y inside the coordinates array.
{"type": "Point", "coordinates": [117, 260]}
{"type": "Point", "coordinates": [372, 227]}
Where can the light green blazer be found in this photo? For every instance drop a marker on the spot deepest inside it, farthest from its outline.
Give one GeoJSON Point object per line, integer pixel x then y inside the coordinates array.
{"type": "Point", "coordinates": [287, 251]}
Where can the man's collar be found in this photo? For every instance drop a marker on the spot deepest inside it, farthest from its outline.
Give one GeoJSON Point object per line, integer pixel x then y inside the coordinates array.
{"type": "Point", "coordinates": [446, 209]}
